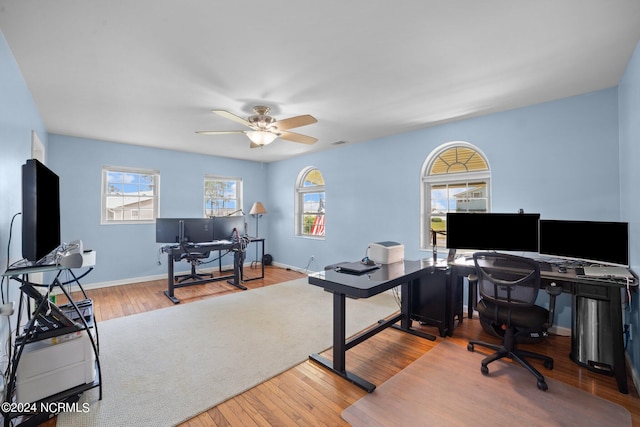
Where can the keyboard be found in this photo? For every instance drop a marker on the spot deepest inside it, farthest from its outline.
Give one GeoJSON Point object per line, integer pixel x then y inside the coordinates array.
{"type": "Point", "coordinates": [544, 266]}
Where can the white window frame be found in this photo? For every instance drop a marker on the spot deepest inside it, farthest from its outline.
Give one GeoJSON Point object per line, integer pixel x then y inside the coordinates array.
{"type": "Point", "coordinates": [300, 192]}
{"type": "Point", "coordinates": [107, 199]}
{"type": "Point", "coordinates": [236, 210]}
{"type": "Point", "coordinates": [426, 181]}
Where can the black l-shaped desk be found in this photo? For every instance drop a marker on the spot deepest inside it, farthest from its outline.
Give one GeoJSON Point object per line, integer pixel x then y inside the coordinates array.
{"type": "Point", "coordinates": [409, 273]}
{"type": "Point", "coordinates": [588, 292]}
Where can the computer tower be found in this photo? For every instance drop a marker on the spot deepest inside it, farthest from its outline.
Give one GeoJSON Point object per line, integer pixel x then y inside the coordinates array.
{"type": "Point", "coordinates": [435, 301]}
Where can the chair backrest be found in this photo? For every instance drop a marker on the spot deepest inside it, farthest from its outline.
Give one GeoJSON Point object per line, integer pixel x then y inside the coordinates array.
{"type": "Point", "coordinates": [507, 280]}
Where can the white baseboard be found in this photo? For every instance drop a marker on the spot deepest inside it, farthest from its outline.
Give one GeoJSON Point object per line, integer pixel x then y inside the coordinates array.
{"type": "Point", "coordinates": [132, 280]}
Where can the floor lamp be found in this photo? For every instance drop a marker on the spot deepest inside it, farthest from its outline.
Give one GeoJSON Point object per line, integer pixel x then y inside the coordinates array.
{"type": "Point", "coordinates": [257, 210]}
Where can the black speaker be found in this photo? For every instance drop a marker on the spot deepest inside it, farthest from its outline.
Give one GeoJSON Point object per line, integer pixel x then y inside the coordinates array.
{"type": "Point", "coordinates": [267, 259]}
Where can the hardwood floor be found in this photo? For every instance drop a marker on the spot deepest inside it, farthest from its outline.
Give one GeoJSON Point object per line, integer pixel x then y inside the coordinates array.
{"type": "Point", "coordinates": [309, 394]}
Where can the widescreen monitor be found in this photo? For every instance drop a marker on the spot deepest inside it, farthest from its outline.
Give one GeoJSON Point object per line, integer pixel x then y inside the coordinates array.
{"type": "Point", "coordinates": [40, 210]}
{"type": "Point", "coordinates": [178, 230]}
{"type": "Point", "coordinates": [493, 231]}
{"type": "Point", "coordinates": [593, 241]}
{"type": "Point", "coordinates": [224, 227]}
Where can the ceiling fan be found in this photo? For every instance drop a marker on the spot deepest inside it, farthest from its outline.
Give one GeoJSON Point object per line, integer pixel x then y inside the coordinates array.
{"type": "Point", "coordinates": [264, 128]}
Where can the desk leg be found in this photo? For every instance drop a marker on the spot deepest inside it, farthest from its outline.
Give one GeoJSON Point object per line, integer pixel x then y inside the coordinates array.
{"type": "Point", "coordinates": [170, 284]}
{"type": "Point", "coordinates": [338, 366]}
{"type": "Point", "coordinates": [261, 265]}
{"type": "Point", "coordinates": [262, 262]}
{"type": "Point", "coordinates": [619, 367]}
{"type": "Point", "coordinates": [237, 271]}
{"type": "Point", "coordinates": [472, 298]}
{"type": "Point", "coordinates": [405, 312]}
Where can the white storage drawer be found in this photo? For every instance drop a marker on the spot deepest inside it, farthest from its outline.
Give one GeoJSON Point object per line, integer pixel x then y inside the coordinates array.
{"type": "Point", "coordinates": [46, 368]}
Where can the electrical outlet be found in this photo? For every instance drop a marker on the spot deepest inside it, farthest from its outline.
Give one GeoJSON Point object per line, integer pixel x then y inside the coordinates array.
{"type": "Point", "coordinates": [312, 257]}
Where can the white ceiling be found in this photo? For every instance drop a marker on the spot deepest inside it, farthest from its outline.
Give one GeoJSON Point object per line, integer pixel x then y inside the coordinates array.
{"type": "Point", "coordinates": [148, 72]}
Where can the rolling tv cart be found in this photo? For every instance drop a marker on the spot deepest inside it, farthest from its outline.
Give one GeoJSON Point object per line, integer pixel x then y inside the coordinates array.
{"type": "Point", "coordinates": [55, 355]}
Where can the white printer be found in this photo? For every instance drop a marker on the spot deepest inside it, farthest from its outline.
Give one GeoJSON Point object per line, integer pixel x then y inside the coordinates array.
{"type": "Point", "coordinates": [386, 252]}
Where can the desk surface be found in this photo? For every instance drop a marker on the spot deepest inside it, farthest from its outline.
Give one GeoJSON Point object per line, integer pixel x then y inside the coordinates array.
{"type": "Point", "coordinates": [212, 246]}
{"type": "Point", "coordinates": [373, 282]}
{"type": "Point", "coordinates": [570, 275]}
{"type": "Point", "coordinates": [18, 269]}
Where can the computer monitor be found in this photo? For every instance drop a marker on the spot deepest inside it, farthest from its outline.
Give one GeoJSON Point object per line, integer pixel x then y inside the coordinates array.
{"type": "Point", "coordinates": [178, 230]}
{"type": "Point", "coordinates": [224, 226]}
{"type": "Point", "coordinates": [493, 231]}
{"type": "Point", "coordinates": [592, 241]}
{"type": "Point", "coordinates": [197, 230]}
{"type": "Point", "coordinates": [40, 210]}
{"type": "Point", "coordinates": [167, 230]}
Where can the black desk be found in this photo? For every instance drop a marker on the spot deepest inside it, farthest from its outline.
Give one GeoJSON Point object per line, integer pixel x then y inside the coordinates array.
{"type": "Point", "coordinates": [174, 253]}
{"type": "Point", "coordinates": [402, 274]}
{"type": "Point", "coordinates": [597, 290]}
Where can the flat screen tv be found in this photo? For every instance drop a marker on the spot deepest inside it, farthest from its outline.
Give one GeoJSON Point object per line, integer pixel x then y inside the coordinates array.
{"type": "Point", "coordinates": [178, 230]}
{"type": "Point", "coordinates": [40, 210]}
{"type": "Point", "coordinates": [593, 241]}
{"type": "Point", "coordinates": [224, 226]}
{"type": "Point", "coordinates": [493, 231]}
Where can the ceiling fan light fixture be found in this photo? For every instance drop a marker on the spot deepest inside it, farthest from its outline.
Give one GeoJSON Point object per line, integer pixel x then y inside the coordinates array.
{"type": "Point", "coordinates": [260, 137]}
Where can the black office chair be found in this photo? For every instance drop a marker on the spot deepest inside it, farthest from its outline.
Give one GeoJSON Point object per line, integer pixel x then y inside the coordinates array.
{"type": "Point", "coordinates": [508, 287]}
{"type": "Point", "coordinates": [195, 259]}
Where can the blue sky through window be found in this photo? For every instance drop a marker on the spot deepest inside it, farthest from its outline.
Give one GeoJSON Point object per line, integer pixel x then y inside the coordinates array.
{"type": "Point", "coordinates": [127, 183]}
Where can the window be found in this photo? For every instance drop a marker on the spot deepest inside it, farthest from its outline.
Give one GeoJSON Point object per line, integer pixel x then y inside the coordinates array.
{"type": "Point", "coordinates": [222, 196]}
{"type": "Point", "coordinates": [129, 195]}
{"type": "Point", "coordinates": [310, 204]}
{"type": "Point", "coordinates": [455, 178]}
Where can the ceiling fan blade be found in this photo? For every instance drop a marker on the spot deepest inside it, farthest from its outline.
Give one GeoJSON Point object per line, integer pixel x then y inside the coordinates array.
{"type": "Point", "coordinates": [296, 137]}
{"type": "Point", "coordinates": [231, 116]}
{"type": "Point", "coordinates": [295, 122]}
{"type": "Point", "coordinates": [218, 132]}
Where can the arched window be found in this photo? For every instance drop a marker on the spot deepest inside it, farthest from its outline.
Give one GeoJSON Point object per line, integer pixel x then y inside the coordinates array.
{"type": "Point", "coordinates": [310, 203]}
{"type": "Point", "coordinates": [455, 178]}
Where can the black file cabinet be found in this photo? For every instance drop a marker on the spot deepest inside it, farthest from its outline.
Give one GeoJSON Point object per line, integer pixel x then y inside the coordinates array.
{"type": "Point", "coordinates": [437, 301]}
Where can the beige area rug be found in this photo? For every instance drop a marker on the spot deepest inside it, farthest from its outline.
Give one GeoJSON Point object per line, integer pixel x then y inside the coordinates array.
{"type": "Point", "coordinates": [162, 367]}
{"type": "Point", "coordinates": [446, 388]}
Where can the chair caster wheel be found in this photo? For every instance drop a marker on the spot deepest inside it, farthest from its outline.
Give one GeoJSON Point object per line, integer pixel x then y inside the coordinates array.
{"type": "Point", "coordinates": [484, 370]}
{"type": "Point", "coordinates": [542, 385]}
{"type": "Point", "coordinates": [548, 364]}
{"type": "Point", "coordinates": [470, 347]}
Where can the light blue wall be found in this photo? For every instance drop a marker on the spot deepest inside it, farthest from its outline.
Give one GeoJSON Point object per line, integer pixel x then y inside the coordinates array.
{"type": "Point", "coordinates": [559, 159]}
{"type": "Point", "coordinates": [629, 106]}
{"type": "Point", "coordinates": [18, 117]}
{"type": "Point", "coordinates": [555, 158]}
{"type": "Point", "coordinates": [129, 251]}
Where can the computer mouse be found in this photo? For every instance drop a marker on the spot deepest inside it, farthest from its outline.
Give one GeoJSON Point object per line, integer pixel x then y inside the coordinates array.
{"type": "Point", "coordinates": [367, 261]}
{"type": "Point", "coordinates": [562, 269]}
